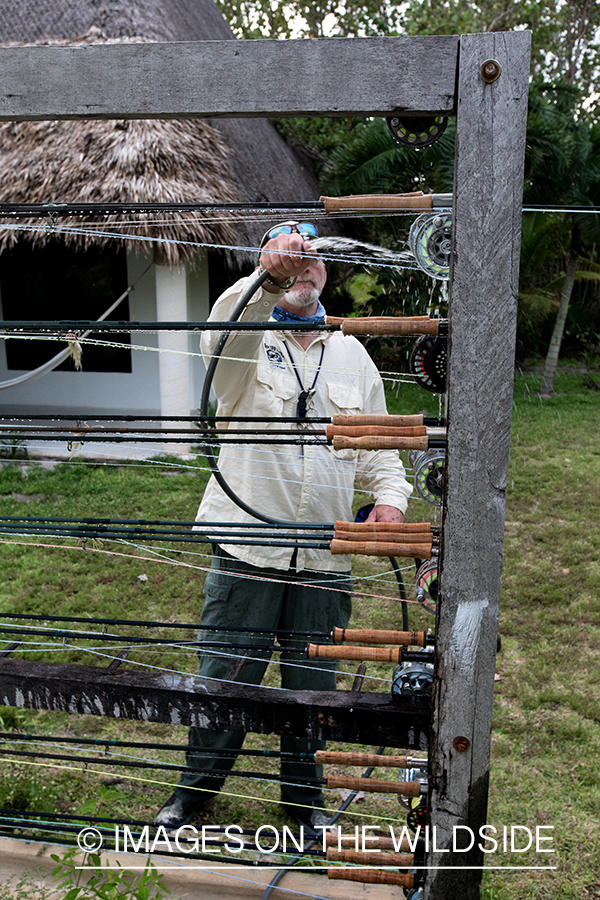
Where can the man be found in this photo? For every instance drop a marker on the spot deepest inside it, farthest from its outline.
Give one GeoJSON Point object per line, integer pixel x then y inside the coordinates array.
{"type": "Point", "coordinates": [282, 590]}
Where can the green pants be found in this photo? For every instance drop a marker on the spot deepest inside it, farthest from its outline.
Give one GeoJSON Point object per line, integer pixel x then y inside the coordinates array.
{"type": "Point", "coordinates": [305, 604]}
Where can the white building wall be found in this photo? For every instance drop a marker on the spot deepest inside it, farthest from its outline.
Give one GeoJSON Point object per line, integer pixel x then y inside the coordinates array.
{"type": "Point", "coordinates": [139, 391]}
{"type": "Point", "coordinates": [198, 310]}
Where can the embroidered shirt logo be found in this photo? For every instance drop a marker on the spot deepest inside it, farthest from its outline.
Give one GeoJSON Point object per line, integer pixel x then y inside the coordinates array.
{"type": "Point", "coordinates": [274, 355]}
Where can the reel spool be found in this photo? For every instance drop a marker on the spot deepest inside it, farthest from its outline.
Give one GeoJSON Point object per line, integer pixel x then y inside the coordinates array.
{"type": "Point", "coordinates": [428, 361]}
{"type": "Point", "coordinates": [415, 894]}
{"type": "Point", "coordinates": [416, 131]}
{"type": "Point", "coordinates": [411, 775]}
{"type": "Point", "coordinates": [417, 815]}
{"type": "Point", "coordinates": [426, 585]}
{"type": "Point", "coordinates": [430, 242]}
{"type": "Point", "coordinates": [429, 467]}
{"type": "Point", "coordinates": [412, 679]}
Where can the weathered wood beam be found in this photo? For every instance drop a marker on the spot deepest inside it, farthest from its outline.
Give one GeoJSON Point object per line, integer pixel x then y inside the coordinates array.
{"type": "Point", "coordinates": [354, 76]}
{"type": "Point", "coordinates": [490, 147]}
{"type": "Point", "coordinates": [187, 700]}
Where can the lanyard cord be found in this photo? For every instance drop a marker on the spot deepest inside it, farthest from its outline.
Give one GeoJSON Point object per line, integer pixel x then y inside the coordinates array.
{"type": "Point", "coordinates": [304, 394]}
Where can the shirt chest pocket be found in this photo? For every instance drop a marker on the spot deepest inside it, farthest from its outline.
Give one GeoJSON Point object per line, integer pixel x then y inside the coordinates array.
{"type": "Point", "coordinates": [275, 387]}
{"type": "Point", "coordinates": [346, 398]}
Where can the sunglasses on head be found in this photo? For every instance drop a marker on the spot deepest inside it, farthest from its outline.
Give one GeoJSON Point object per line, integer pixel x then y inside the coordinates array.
{"type": "Point", "coordinates": [306, 229]}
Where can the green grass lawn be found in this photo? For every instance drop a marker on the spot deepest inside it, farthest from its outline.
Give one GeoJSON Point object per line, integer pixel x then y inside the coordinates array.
{"type": "Point", "coordinates": [546, 738]}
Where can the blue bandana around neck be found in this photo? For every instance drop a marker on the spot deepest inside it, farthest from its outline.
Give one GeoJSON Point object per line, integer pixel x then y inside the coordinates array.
{"type": "Point", "coordinates": [282, 315]}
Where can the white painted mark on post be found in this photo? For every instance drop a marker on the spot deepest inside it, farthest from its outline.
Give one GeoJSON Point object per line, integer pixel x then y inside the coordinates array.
{"type": "Point", "coordinates": [465, 633]}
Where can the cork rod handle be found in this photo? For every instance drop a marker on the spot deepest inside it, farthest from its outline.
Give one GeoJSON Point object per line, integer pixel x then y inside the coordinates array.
{"type": "Point", "coordinates": [392, 527]}
{"type": "Point", "coordinates": [365, 548]}
{"type": "Point", "coordinates": [372, 876]}
{"type": "Point", "coordinates": [413, 200]}
{"type": "Point", "coordinates": [389, 537]}
{"type": "Point", "coordinates": [376, 442]}
{"type": "Point", "coordinates": [354, 758]}
{"type": "Point", "coordinates": [392, 421]}
{"type": "Point", "coordinates": [369, 430]}
{"type": "Point", "coordinates": [375, 786]}
{"type": "Point", "coordinates": [370, 654]}
{"type": "Point", "coordinates": [374, 858]}
{"type": "Point", "coordinates": [386, 325]}
{"type": "Point", "coordinates": [371, 636]}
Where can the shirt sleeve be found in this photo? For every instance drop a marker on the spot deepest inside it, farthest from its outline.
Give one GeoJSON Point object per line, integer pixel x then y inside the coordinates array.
{"type": "Point", "coordinates": [237, 363]}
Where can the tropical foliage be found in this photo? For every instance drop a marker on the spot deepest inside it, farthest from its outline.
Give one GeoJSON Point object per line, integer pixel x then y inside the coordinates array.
{"type": "Point", "coordinates": [559, 300]}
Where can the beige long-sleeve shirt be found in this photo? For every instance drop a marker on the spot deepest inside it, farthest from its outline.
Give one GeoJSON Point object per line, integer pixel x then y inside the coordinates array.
{"type": "Point", "coordinates": [294, 483]}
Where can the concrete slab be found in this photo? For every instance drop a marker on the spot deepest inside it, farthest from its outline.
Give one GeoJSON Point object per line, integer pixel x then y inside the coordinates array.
{"type": "Point", "coordinates": [216, 882]}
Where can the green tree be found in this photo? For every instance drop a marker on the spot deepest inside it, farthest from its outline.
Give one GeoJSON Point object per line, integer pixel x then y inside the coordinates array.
{"type": "Point", "coordinates": [564, 35]}
{"type": "Point", "coordinates": [310, 18]}
{"type": "Point", "coordinates": [374, 163]}
{"type": "Point", "coordinates": [563, 168]}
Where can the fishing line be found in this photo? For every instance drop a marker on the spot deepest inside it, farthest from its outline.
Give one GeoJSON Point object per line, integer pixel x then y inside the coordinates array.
{"type": "Point", "coordinates": [153, 624]}
{"type": "Point", "coordinates": [379, 576]}
{"type": "Point", "coordinates": [108, 743]}
{"type": "Point", "coordinates": [325, 464]}
{"type": "Point", "coordinates": [15, 336]}
{"type": "Point", "coordinates": [183, 564]}
{"type": "Point", "coordinates": [60, 229]}
{"type": "Point", "coordinates": [134, 662]}
{"type": "Point", "coordinates": [39, 646]}
{"type": "Point", "coordinates": [204, 790]}
{"type": "Point", "coordinates": [150, 462]}
{"type": "Point", "coordinates": [131, 763]}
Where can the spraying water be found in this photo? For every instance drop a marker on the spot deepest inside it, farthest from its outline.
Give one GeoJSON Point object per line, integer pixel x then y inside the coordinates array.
{"type": "Point", "coordinates": [342, 249]}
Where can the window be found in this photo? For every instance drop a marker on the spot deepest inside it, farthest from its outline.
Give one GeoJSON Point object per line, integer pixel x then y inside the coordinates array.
{"type": "Point", "coordinates": [57, 283]}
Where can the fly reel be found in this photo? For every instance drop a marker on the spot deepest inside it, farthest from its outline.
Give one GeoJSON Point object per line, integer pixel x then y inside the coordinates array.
{"type": "Point", "coordinates": [429, 467]}
{"type": "Point", "coordinates": [426, 585]}
{"type": "Point", "coordinates": [430, 242]}
{"type": "Point", "coordinates": [415, 893]}
{"type": "Point", "coordinates": [417, 815]}
{"type": "Point", "coordinates": [416, 131]}
{"type": "Point", "coordinates": [412, 679]}
{"type": "Point", "coordinates": [428, 361]}
{"type": "Point", "coordinates": [412, 774]}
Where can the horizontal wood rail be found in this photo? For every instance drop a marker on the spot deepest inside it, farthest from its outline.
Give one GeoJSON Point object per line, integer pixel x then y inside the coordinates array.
{"type": "Point", "coordinates": [185, 700]}
{"type": "Point", "coordinates": [375, 786]}
{"type": "Point", "coordinates": [375, 636]}
{"type": "Point", "coordinates": [219, 78]}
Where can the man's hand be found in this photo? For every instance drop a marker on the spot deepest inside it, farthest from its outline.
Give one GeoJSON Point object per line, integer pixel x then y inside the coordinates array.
{"type": "Point", "coordinates": [278, 261]}
{"type": "Point", "coordinates": [385, 514]}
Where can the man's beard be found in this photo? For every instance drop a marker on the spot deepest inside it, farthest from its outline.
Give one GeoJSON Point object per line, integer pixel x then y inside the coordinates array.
{"type": "Point", "coordinates": [303, 294]}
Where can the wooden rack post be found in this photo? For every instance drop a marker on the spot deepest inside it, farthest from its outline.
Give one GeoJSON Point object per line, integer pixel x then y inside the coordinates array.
{"type": "Point", "coordinates": [490, 150]}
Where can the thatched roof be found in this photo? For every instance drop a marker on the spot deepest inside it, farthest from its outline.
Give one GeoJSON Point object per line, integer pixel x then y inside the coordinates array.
{"type": "Point", "coordinates": [152, 20]}
{"type": "Point", "coordinates": [135, 161]}
{"type": "Point", "coordinates": [113, 161]}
